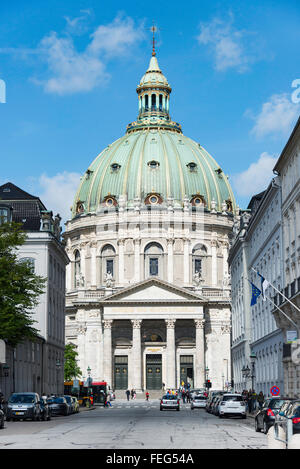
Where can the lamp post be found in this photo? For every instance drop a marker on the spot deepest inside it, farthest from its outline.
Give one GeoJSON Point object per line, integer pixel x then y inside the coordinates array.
{"type": "Point", "coordinates": [252, 360]}
{"type": "Point", "coordinates": [58, 365]}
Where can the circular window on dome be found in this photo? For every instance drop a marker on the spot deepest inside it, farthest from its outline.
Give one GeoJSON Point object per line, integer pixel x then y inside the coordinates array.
{"type": "Point", "coordinates": [192, 166]}
{"type": "Point", "coordinates": [110, 201]}
{"type": "Point", "coordinates": [115, 167]}
{"type": "Point", "coordinates": [79, 207]}
{"type": "Point", "coordinates": [153, 164]}
{"type": "Point", "coordinates": [198, 200]}
{"type": "Point", "coordinates": [153, 199]}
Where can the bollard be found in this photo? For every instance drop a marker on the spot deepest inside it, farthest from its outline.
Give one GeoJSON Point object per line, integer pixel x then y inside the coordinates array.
{"type": "Point", "coordinates": [273, 443]}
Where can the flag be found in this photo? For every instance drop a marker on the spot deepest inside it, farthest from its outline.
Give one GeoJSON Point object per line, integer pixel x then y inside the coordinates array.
{"type": "Point", "coordinates": [255, 294]}
{"type": "Point", "coordinates": [264, 285]}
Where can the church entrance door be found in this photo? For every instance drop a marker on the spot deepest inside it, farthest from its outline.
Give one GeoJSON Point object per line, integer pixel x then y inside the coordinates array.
{"type": "Point", "coordinates": [154, 371]}
{"type": "Point", "coordinates": [121, 372]}
{"type": "Point", "coordinates": [187, 370]}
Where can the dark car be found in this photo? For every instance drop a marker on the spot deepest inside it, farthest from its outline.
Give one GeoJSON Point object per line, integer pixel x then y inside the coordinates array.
{"type": "Point", "coordinates": [289, 410]}
{"type": "Point", "coordinates": [58, 406]}
{"type": "Point", "coordinates": [265, 417]}
{"type": "Point", "coordinates": [1, 418]}
{"type": "Point", "coordinates": [45, 410]}
{"type": "Point", "coordinates": [22, 406]}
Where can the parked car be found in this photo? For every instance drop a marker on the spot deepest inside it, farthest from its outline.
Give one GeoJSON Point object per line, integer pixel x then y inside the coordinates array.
{"type": "Point", "coordinates": [45, 410]}
{"type": "Point", "coordinates": [290, 409]}
{"type": "Point", "coordinates": [265, 417]}
{"type": "Point", "coordinates": [169, 401]}
{"type": "Point", "coordinates": [232, 404]}
{"type": "Point", "coordinates": [25, 405]}
{"type": "Point", "coordinates": [198, 402]}
{"type": "Point", "coordinates": [2, 416]}
{"type": "Point", "coordinates": [58, 406]}
{"type": "Point", "coordinates": [211, 399]}
{"type": "Point", "coordinates": [75, 404]}
{"type": "Point", "coordinates": [215, 405]}
{"type": "Point", "coordinates": [70, 403]}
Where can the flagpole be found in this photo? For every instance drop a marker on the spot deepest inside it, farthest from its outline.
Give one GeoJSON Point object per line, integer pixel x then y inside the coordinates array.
{"type": "Point", "coordinates": [294, 324]}
{"type": "Point", "coordinates": [279, 292]}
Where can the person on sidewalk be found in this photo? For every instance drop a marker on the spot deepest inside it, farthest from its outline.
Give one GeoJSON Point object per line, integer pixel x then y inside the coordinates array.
{"type": "Point", "coordinates": [128, 394]}
{"type": "Point", "coordinates": [147, 396]}
{"type": "Point", "coordinates": [260, 399]}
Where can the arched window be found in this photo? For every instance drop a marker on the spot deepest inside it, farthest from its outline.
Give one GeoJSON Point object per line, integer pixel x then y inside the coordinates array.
{"type": "Point", "coordinates": [160, 102]}
{"type": "Point", "coordinates": [153, 102]}
{"type": "Point", "coordinates": [153, 255]}
{"type": "Point", "coordinates": [146, 102]}
{"type": "Point", "coordinates": [77, 269]}
{"type": "Point", "coordinates": [108, 255]}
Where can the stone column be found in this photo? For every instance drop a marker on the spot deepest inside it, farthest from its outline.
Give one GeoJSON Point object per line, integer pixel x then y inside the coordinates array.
{"type": "Point", "coordinates": [136, 372]}
{"type": "Point", "coordinates": [199, 372]}
{"type": "Point", "coordinates": [93, 264]}
{"type": "Point", "coordinates": [107, 351]}
{"type": "Point", "coordinates": [170, 260]}
{"type": "Point", "coordinates": [171, 354]}
{"type": "Point", "coordinates": [121, 260]}
{"type": "Point", "coordinates": [137, 273]}
{"type": "Point", "coordinates": [186, 262]}
{"type": "Point", "coordinates": [214, 272]}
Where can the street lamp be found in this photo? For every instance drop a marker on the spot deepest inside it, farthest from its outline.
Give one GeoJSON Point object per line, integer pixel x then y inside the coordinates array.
{"type": "Point", "coordinates": [57, 364]}
{"type": "Point", "coordinates": [252, 360]}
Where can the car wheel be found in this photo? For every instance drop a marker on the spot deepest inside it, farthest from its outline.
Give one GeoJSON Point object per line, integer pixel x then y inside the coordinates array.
{"type": "Point", "coordinates": [265, 427]}
{"type": "Point", "coordinates": [257, 428]}
{"type": "Point", "coordinates": [160, 408]}
{"type": "Point", "coordinates": [221, 416]}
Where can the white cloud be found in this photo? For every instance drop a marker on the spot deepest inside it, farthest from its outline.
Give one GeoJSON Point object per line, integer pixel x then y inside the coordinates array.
{"type": "Point", "coordinates": [277, 116]}
{"type": "Point", "coordinates": [57, 192]}
{"type": "Point", "coordinates": [70, 70]}
{"type": "Point", "coordinates": [256, 178]}
{"type": "Point", "coordinates": [226, 43]}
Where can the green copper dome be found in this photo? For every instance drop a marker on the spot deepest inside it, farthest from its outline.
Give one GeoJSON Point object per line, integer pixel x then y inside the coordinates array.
{"type": "Point", "coordinates": [154, 161]}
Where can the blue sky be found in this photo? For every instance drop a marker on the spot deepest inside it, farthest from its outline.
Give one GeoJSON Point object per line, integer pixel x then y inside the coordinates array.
{"type": "Point", "coordinates": [71, 69]}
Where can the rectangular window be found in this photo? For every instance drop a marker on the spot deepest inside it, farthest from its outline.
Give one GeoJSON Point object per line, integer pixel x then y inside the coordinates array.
{"type": "Point", "coordinates": [198, 266]}
{"type": "Point", "coordinates": [110, 266]}
{"type": "Point", "coordinates": [153, 266]}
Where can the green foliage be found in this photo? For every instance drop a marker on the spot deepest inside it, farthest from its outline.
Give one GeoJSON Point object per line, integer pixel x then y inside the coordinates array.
{"type": "Point", "coordinates": [72, 370]}
{"type": "Point", "coordinates": [20, 288]}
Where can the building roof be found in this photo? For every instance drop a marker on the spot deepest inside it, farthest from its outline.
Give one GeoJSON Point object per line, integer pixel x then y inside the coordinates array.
{"type": "Point", "coordinates": [26, 207]}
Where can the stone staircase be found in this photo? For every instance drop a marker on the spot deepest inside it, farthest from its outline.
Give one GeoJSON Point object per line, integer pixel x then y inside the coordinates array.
{"type": "Point", "coordinates": [153, 394]}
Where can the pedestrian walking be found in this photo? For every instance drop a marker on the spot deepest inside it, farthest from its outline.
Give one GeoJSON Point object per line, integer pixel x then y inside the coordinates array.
{"type": "Point", "coordinates": [260, 399]}
{"type": "Point", "coordinates": [128, 394]}
{"type": "Point", "coordinates": [183, 396]}
{"type": "Point", "coordinates": [147, 396]}
{"type": "Point", "coordinates": [131, 393]}
{"type": "Point", "coordinates": [188, 397]}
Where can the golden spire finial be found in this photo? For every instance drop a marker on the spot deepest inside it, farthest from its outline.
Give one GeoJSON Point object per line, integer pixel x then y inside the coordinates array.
{"type": "Point", "coordinates": [153, 29]}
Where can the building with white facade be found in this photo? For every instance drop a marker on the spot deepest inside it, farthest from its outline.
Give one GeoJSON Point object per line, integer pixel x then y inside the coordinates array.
{"type": "Point", "coordinates": [37, 366]}
{"type": "Point", "coordinates": [257, 244]}
{"type": "Point", "coordinates": [288, 169]}
{"type": "Point", "coordinates": [148, 291]}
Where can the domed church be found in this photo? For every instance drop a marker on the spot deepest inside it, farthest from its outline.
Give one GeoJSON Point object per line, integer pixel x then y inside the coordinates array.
{"type": "Point", "coordinates": [148, 289]}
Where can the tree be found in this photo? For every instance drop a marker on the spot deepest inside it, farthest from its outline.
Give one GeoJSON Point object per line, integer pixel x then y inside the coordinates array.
{"type": "Point", "coordinates": [72, 370]}
{"type": "Point", "coordinates": [20, 288]}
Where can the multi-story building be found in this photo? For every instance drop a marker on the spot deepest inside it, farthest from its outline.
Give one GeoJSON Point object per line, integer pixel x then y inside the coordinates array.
{"type": "Point", "coordinates": [257, 342]}
{"type": "Point", "coordinates": [288, 169]}
{"type": "Point", "coordinates": [37, 366]}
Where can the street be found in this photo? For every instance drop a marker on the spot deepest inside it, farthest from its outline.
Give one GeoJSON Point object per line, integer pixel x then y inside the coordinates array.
{"type": "Point", "coordinates": [137, 425]}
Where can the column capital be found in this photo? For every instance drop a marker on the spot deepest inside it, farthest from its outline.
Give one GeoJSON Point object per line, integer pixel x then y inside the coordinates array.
{"type": "Point", "coordinates": [199, 323]}
{"type": "Point", "coordinates": [170, 323]}
{"type": "Point", "coordinates": [107, 323]}
{"type": "Point", "coordinates": [136, 323]}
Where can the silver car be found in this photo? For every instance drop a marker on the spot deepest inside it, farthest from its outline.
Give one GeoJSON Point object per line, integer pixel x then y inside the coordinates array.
{"type": "Point", "coordinates": [198, 402]}
{"type": "Point", "coordinates": [169, 401]}
{"type": "Point", "coordinates": [25, 405]}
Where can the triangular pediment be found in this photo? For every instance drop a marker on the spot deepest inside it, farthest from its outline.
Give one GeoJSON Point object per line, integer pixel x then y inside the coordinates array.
{"type": "Point", "coordinates": [154, 290]}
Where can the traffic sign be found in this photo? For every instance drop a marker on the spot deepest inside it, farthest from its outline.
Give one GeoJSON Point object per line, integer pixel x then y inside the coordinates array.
{"type": "Point", "coordinates": [275, 391]}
